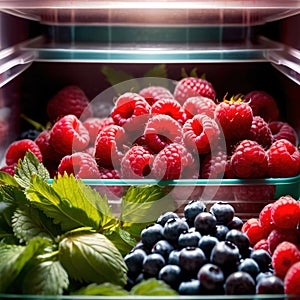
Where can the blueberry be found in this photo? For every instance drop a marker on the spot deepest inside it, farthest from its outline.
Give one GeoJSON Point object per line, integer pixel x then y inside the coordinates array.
{"type": "Point", "coordinates": [207, 243]}
{"type": "Point", "coordinates": [192, 209]}
{"type": "Point", "coordinates": [191, 287]}
{"type": "Point", "coordinates": [223, 211]}
{"type": "Point", "coordinates": [162, 219]}
{"type": "Point", "coordinates": [173, 258]}
{"type": "Point", "coordinates": [226, 255]}
{"type": "Point", "coordinates": [152, 264]}
{"type": "Point", "coordinates": [191, 259]}
{"type": "Point", "coordinates": [189, 239]}
{"type": "Point", "coordinates": [211, 278]}
{"type": "Point", "coordinates": [250, 266]}
{"type": "Point", "coordinates": [263, 259]}
{"type": "Point", "coordinates": [162, 247]}
{"type": "Point", "coordinates": [170, 274]}
{"type": "Point", "coordinates": [261, 275]}
{"type": "Point", "coordinates": [270, 285]}
{"type": "Point", "coordinates": [134, 261]}
{"type": "Point", "coordinates": [236, 223]}
{"type": "Point", "coordinates": [30, 134]}
{"type": "Point", "coordinates": [173, 228]}
{"type": "Point", "coordinates": [151, 234]}
{"type": "Point", "coordinates": [239, 283]}
{"type": "Point", "coordinates": [205, 223]}
{"type": "Point", "coordinates": [221, 231]}
{"type": "Point", "coordinates": [240, 239]}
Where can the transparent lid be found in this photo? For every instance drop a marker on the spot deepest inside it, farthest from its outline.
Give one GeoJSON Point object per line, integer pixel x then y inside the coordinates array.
{"type": "Point", "coordinates": [147, 12]}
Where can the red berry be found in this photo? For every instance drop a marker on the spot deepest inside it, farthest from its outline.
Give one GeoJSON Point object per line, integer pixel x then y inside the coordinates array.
{"type": "Point", "coordinates": [214, 165]}
{"type": "Point", "coordinates": [254, 230]}
{"type": "Point", "coordinates": [282, 130]}
{"type": "Point", "coordinates": [155, 93]}
{"type": "Point", "coordinates": [47, 150]}
{"type": "Point", "coordinates": [235, 119]}
{"type": "Point", "coordinates": [160, 131]}
{"type": "Point", "coordinates": [112, 192]}
{"type": "Point", "coordinates": [260, 132]}
{"type": "Point", "coordinates": [265, 218]}
{"type": "Point", "coordinates": [80, 164]}
{"type": "Point", "coordinates": [285, 212]}
{"type": "Point", "coordinates": [130, 110]}
{"type": "Point", "coordinates": [199, 105]}
{"type": "Point", "coordinates": [136, 162]}
{"type": "Point", "coordinates": [174, 162]}
{"type": "Point", "coordinates": [69, 135]}
{"type": "Point", "coordinates": [284, 256]}
{"type": "Point", "coordinates": [108, 146]}
{"type": "Point", "coordinates": [284, 159]}
{"type": "Point", "coordinates": [9, 169]}
{"type": "Point", "coordinates": [277, 236]}
{"type": "Point", "coordinates": [94, 125]}
{"type": "Point", "coordinates": [292, 279]}
{"type": "Point", "coordinates": [71, 100]}
{"type": "Point", "coordinates": [262, 244]}
{"type": "Point", "coordinates": [263, 105]}
{"type": "Point", "coordinates": [192, 86]}
{"type": "Point", "coordinates": [257, 194]}
{"type": "Point", "coordinates": [169, 107]}
{"type": "Point", "coordinates": [201, 133]}
{"type": "Point", "coordinates": [249, 160]}
{"type": "Point", "coordinates": [18, 149]}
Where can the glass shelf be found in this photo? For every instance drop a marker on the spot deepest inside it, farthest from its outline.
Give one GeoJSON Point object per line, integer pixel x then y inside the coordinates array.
{"type": "Point", "coordinates": [234, 12]}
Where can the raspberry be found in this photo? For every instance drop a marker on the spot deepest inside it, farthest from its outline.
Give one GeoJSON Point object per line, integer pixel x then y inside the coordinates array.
{"type": "Point", "coordinates": [199, 105]}
{"type": "Point", "coordinates": [69, 135]}
{"type": "Point", "coordinates": [292, 279]}
{"type": "Point", "coordinates": [263, 105]}
{"type": "Point", "coordinates": [160, 131]}
{"type": "Point", "coordinates": [174, 162]}
{"type": "Point", "coordinates": [71, 100]}
{"type": "Point", "coordinates": [262, 244]}
{"type": "Point", "coordinates": [154, 93]}
{"type": "Point", "coordinates": [131, 110]}
{"type": "Point", "coordinates": [112, 191]}
{"type": "Point", "coordinates": [80, 164]}
{"type": "Point", "coordinates": [278, 235]}
{"type": "Point", "coordinates": [285, 212]}
{"type": "Point", "coordinates": [284, 256]}
{"type": "Point", "coordinates": [235, 118]}
{"type": "Point", "coordinates": [9, 169]}
{"type": "Point", "coordinates": [265, 218]}
{"type": "Point", "coordinates": [249, 160]}
{"type": "Point", "coordinates": [193, 86]}
{"type": "Point", "coordinates": [214, 165]}
{"type": "Point", "coordinates": [260, 132]}
{"type": "Point", "coordinates": [18, 149]}
{"type": "Point", "coordinates": [284, 159]}
{"type": "Point", "coordinates": [108, 146]}
{"type": "Point", "coordinates": [282, 130]}
{"type": "Point", "coordinates": [201, 132]}
{"type": "Point", "coordinates": [94, 125]}
{"type": "Point", "coordinates": [169, 107]}
{"type": "Point", "coordinates": [48, 152]}
{"type": "Point", "coordinates": [136, 163]}
{"type": "Point", "coordinates": [254, 230]}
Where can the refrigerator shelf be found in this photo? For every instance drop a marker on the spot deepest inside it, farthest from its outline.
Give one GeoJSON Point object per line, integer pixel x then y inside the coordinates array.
{"type": "Point", "coordinates": [234, 12]}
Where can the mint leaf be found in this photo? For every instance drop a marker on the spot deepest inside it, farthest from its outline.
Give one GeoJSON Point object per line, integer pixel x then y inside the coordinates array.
{"type": "Point", "coordinates": [14, 258]}
{"type": "Point", "coordinates": [152, 287]}
{"type": "Point", "coordinates": [70, 203]}
{"type": "Point", "coordinates": [144, 204]}
{"type": "Point", "coordinates": [46, 278]}
{"type": "Point", "coordinates": [27, 167]}
{"type": "Point", "coordinates": [29, 222]}
{"type": "Point", "coordinates": [91, 257]}
{"type": "Point", "coordinates": [6, 178]}
{"type": "Point", "coordinates": [105, 289]}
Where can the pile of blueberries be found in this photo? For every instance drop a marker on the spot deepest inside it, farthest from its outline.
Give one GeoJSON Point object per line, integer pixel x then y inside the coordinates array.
{"type": "Point", "coordinates": [202, 253]}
